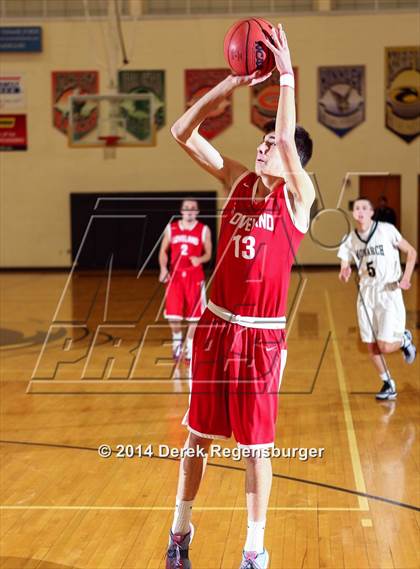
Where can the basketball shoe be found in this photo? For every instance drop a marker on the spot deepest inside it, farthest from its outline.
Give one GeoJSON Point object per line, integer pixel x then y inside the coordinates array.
{"type": "Point", "coordinates": [388, 390]}
{"type": "Point", "coordinates": [254, 560]}
{"type": "Point", "coordinates": [177, 553]}
{"type": "Point", "coordinates": [408, 348]}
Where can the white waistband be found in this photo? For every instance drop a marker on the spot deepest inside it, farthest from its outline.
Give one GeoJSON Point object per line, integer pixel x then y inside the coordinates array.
{"type": "Point", "coordinates": [278, 323]}
{"type": "Point", "coordinates": [380, 287]}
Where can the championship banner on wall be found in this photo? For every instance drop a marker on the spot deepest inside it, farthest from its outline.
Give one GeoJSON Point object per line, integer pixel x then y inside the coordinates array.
{"type": "Point", "coordinates": [12, 92]}
{"type": "Point", "coordinates": [13, 134]}
{"type": "Point", "coordinates": [265, 99]}
{"type": "Point", "coordinates": [197, 83]}
{"type": "Point", "coordinates": [147, 81]}
{"type": "Point", "coordinates": [341, 97]}
{"type": "Point", "coordinates": [68, 83]}
{"type": "Point", "coordinates": [402, 85]}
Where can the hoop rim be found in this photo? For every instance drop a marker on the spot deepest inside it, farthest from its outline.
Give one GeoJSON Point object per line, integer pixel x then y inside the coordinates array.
{"type": "Point", "coordinates": [110, 139]}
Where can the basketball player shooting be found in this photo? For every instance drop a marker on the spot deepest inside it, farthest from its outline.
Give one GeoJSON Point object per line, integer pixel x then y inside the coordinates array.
{"type": "Point", "coordinates": [188, 243]}
{"type": "Point", "coordinates": [375, 246]}
{"type": "Point", "coordinates": [239, 348]}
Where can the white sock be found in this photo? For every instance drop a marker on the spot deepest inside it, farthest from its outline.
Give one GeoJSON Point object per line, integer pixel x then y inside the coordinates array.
{"type": "Point", "coordinates": [385, 376]}
{"type": "Point", "coordinates": [176, 340]}
{"type": "Point", "coordinates": [182, 516]}
{"type": "Point", "coordinates": [255, 536]}
{"type": "Point", "coordinates": [189, 348]}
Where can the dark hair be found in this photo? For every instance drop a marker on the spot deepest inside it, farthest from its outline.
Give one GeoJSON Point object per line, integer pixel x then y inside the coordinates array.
{"type": "Point", "coordinates": [190, 199]}
{"type": "Point", "coordinates": [303, 141]}
{"type": "Point", "coordinates": [360, 199]}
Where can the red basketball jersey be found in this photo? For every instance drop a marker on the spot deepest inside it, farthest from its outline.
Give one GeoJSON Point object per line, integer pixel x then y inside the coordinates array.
{"type": "Point", "coordinates": [257, 245]}
{"type": "Point", "coordinates": [186, 243]}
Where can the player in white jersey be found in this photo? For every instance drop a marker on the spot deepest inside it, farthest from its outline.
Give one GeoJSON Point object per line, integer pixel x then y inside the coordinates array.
{"type": "Point", "coordinates": [374, 247]}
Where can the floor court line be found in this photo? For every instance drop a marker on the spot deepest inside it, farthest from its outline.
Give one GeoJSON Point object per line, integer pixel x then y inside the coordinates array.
{"type": "Point", "coordinates": [171, 508]}
{"type": "Point", "coordinates": [348, 418]}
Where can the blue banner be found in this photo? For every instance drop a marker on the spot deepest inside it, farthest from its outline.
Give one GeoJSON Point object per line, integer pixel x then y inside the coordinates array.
{"type": "Point", "coordinates": [27, 39]}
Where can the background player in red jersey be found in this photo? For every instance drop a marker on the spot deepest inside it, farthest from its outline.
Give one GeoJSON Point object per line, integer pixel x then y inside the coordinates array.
{"type": "Point", "coordinates": [239, 348]}
{"type": "Point", "coordinates": [188, 242]}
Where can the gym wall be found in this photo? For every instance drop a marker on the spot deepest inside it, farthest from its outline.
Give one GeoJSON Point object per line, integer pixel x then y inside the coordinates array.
{"type": "Point", "coordinates": [36, 184]}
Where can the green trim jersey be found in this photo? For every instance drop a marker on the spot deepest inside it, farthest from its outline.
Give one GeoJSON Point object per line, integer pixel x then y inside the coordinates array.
{"type": "Point", "coordinates": [375, 253]}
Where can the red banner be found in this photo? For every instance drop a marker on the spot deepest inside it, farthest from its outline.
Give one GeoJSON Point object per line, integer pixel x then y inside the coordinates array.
{"type": "Point", "coordinates": [265, 99]}
{"type": "Point", "coordinates": [68, 83]}
{"type": "Point", "coordinates": [197, 83]}
{"type": "Point", "coordinates": [13, 134]}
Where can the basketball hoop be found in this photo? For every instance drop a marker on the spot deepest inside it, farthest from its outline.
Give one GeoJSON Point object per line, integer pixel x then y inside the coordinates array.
{"type": "Point", "coordinates": [125, 120]}
{"type": "Point", "coordinates": [110, 145]}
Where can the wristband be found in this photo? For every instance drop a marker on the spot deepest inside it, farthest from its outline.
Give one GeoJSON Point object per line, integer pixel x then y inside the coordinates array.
{"type": "Point", "coordinates": [287, 80]}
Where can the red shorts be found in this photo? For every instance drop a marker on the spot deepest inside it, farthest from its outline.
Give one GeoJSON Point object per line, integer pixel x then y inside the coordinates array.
{"type": "Point", "coordinates": [185, 296]}
{"type": "Point", "coordinates": [236, 373]}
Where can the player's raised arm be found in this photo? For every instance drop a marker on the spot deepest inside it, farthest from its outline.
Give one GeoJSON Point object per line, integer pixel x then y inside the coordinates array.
{"type": "Point", "coordinates": [409, 250]}
{"type": "Point", "coordinates": [185, 130]}
{"type": "Point", "coordinates": [298, 181]}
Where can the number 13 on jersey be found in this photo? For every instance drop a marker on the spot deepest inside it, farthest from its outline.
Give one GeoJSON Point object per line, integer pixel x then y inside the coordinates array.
{"type": "Point", "coordinates": [244, 246]}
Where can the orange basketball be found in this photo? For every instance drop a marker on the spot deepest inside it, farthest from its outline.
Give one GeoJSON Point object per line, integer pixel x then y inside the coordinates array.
{"type": "Point", "coordinates": [244, 49]}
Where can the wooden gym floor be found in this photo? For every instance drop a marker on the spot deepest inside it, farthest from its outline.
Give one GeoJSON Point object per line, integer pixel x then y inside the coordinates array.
{"type": "Point", "coordinates": [63, 506]}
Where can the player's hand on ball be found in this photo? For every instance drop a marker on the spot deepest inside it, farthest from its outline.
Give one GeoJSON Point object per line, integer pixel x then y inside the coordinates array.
{"type": "Point", "coordinates": [345, 274]}
{"type": "Point", "coordinates": [249, 80]}
{"type": "Point", "coordinates": [404, 284]}
{"type": "Point", "coordinates": [163, 277]}
{"type": "Point", "coordinates": [195, 261]}
{"type": "Point", "coordinates": [280, 49]}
